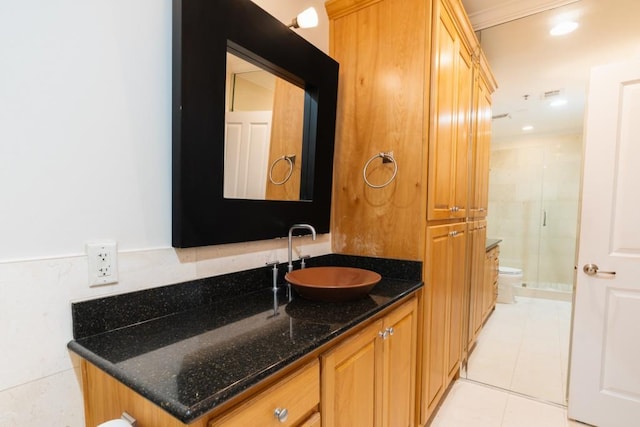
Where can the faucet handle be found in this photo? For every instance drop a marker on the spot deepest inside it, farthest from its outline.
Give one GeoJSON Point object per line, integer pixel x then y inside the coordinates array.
{"type": "Point", "coordinates": [302, 260]}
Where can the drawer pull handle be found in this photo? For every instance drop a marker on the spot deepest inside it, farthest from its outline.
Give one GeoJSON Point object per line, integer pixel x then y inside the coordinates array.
{"type": "Point", "coordinates": [391, 331]}
{"type": "Point", "coordinates": [281, 414]}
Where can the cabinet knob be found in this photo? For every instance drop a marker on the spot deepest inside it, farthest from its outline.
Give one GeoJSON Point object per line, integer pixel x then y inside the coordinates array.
{"type": "Point", "coordinates": [281, 414]}
{"type": "Point", "coordinates": [386, 333]}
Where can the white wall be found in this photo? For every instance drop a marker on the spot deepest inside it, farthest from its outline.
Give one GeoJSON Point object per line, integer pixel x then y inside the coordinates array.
{"type": "Point", "coordinates": [85, 154]}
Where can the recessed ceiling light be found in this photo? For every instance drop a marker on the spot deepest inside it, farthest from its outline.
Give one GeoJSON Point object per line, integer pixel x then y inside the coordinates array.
{"type": "Point", "coordinates": [527, 128]}
{"type": "Point", "coordinates": [563, 28]}
{"type": "Point", "coordinates": [558, 103]}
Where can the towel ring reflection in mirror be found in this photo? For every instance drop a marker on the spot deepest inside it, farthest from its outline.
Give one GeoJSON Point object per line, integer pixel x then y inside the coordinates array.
{"type": "Point", "coordinates": [386, 158]}
{"type": "Point", "coordinates": [291, 159]}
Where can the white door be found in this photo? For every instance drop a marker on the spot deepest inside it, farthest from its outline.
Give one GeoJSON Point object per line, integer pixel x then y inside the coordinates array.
{"type": "Point", "coordinates": [604, 383]}
{"type": "Point", "coordinates": [246, 154]}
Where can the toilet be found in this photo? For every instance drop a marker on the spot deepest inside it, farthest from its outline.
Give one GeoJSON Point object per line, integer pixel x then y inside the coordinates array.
{"type": "Point", "coordinates": [508, 277]}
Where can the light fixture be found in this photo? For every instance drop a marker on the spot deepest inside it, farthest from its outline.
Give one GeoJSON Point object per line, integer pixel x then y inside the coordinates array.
{"type": "Point", "coordinates": [563, 28]}
{"type": "Point", "coordinates": [527, 128]}
{"type": "Point", "coordinates": [308, 18]}
{"type": "Point", "coordinates": [558, 102]}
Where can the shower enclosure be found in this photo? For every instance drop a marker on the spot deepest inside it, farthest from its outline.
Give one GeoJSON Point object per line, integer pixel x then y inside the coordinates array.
{"type": "Point", "coordinates": [533, 208]}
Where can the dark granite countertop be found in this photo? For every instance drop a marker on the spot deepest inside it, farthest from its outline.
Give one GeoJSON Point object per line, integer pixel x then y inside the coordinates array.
{"type": "Point", "coordinates": [190, 361]}
{"type": "Point", "coordinates": [492, 243]}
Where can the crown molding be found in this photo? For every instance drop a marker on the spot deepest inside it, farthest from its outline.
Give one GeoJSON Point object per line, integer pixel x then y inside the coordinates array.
{"type": "Point", "coordinates": [509, 10]}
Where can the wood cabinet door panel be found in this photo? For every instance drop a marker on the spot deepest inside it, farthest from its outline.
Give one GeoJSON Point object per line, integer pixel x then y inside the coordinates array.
{"type": "Point", "coordinates": [436, 278]}
{"type": "Point", "coordinates": [400, 367]}
{"type": "Point", "coordinates": [349, 389]}
{"type": "Point", "coordinates": [442, 143]}
{"type": "Point", "coordinates": [456, 306]}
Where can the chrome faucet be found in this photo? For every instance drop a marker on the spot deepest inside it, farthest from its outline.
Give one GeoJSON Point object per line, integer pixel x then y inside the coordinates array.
{"type": "Point", "coordinates": [294, 227]}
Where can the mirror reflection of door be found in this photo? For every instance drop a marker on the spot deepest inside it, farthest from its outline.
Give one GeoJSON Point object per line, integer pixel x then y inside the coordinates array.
{"type": "Point", "coordinates": [263, 134]}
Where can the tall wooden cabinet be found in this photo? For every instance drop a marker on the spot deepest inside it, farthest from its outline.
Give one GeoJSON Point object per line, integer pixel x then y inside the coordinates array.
{"type": "Point", "coordinates": [415, 85]}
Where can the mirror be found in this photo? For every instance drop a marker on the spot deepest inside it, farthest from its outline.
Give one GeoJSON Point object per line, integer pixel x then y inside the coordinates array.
{"type": "Point", "coordinates": [204, 212]}
{"type": "Point", "coordinates": [264, 119]}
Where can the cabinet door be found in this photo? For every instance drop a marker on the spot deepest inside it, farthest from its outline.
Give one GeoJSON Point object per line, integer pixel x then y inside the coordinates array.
{"type": "Point", "coordinates": [435, 313]}
{"type": "Point", "coordinates": [450, 122]}
{"type": "Point", "coordinates": [481, 149]}
{"type": "Point", "coordinates": [400, 366]}
{"type": "Point", "coordinates": [348, 384]}
{"type": "Point", "coordinates": [460, 185]}
{"type": "Point", "coordinates": [456, 296]}
{"type": "Point", "coordinates": [477, 241]}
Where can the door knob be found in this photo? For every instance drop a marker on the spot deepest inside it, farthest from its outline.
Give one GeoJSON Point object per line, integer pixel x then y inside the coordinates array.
{"type": "Point", "coordinates": [592, 270]}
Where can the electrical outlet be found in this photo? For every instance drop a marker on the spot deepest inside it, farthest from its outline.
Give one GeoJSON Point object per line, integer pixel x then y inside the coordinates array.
{"type": "Point", "coordinates": [103, 263]}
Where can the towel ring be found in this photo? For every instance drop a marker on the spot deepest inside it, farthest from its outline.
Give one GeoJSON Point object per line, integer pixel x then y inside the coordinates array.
{"type": "Point", "coordinates": [386, 158]}
{"type": "Point", "coordinates": [291, 159]}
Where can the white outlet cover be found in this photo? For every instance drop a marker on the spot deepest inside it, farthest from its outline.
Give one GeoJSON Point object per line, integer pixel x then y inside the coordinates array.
{"type": "Point", "coordinates": [102, 260]}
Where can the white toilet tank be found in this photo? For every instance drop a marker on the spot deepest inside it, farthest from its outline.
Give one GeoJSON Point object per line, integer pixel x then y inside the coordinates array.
{"type": "Point", "coordinates": [508, 277]}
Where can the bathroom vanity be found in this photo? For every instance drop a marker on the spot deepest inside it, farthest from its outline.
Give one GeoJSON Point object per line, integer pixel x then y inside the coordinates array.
{"type": "Point", "coordinates": [216, 352]}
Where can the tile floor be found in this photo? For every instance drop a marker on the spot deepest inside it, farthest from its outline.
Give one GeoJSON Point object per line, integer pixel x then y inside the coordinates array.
{"type": "Point", "coordinates": [477, 405]}
{"type": "Point", "coordinates": [522, 351]}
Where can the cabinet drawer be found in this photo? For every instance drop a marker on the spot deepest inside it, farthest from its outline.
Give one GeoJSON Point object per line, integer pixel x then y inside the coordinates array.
{"type": "Point", "coordinates": [298, 393]}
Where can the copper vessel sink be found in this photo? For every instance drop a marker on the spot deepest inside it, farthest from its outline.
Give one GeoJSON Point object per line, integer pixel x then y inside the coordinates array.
{"type": "Point", "coordinates": [333, 284]}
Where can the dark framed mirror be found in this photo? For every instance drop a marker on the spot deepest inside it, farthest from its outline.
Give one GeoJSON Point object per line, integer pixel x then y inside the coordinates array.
{"type": "Point", "coordinates": [204, 31]}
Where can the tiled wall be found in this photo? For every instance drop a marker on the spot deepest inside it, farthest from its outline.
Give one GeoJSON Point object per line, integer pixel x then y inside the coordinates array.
{"type": "Point", "coordinates": [527, 178]}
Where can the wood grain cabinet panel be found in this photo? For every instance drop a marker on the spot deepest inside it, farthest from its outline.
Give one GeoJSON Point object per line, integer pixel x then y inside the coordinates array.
{"type": "Point", "coordinates": [451, 91]}
{"type": "Point", "coordinates": [369, 379]}
{"type": "Point", "coordinates": [481, 146]}
{"type": "Point", "coordinates": [383, 51]}
{"type": "Point", "coordinates": [442, 322]}
{"type": "Point", "coordinates": [477, 240]}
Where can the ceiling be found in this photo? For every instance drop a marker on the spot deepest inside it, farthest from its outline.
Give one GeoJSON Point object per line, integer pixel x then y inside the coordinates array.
{"type": "Point", "coordinates": [528, 62]}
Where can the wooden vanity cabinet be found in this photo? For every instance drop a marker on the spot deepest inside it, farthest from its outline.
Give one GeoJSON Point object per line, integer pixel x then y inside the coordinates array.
{"type": "Point", "coordinates": [366, 379]}
{"type": "Point", "coordinates": [298, 391]}
{"type": "Point", "coordinates": [369, 379]}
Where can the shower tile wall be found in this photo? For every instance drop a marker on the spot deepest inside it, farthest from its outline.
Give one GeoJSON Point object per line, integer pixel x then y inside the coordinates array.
{"type": "Point", "coordinates": [527, 178]}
